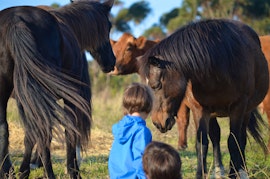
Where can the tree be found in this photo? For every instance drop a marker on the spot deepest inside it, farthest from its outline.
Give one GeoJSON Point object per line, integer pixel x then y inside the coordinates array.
{"type": "Point", "coordinates": [136, 13]}
{"type": "Point", "coordinates": [255, 13]}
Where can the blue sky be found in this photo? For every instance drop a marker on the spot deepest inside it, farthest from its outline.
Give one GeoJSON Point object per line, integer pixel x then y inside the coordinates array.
{"type": "Point", "coordinates": [158, 7]}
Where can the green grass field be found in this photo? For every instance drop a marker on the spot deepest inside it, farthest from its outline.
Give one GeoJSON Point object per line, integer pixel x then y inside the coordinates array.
{"type": "Point", "coordinates": [106, 111]}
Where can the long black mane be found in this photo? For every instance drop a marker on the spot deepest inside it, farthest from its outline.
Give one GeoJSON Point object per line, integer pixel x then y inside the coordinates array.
{"type": "Point", "coordinates": [204, 48]}
{"type": "Point", "coordinates": [79, 13]}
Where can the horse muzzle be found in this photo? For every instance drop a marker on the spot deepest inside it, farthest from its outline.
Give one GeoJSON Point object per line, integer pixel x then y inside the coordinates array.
{"type": "Point", "coordinates": [168, 125]}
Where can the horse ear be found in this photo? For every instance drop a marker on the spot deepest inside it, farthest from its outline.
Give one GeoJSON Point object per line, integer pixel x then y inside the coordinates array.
{"type": "Point", "coordinates": [109, 4]}
{"type": "Point", "coordinates": [140, 42]}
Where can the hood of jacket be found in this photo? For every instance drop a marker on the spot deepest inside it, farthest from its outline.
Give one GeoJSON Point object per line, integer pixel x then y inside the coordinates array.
{"type": "Point", "coordinates": [126, 127]}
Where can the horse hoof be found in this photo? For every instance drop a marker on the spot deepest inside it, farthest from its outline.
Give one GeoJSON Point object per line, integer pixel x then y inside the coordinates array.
{"type": "Point", "coordinates": [218, 173]}
{"type": "Point", "coordinates": [182, 147]}
{"type": "Point", "coordinates": [34, 166]}
{"type": "Point", "coordinates": [243, 174]}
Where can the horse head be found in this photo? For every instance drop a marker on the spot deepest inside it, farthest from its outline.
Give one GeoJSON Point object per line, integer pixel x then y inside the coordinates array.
{"type": "Point", "coordinates": [89, 21]}
{"type": "Point", "coordinates": [126, 49]}
{"type": "Point", "coordinates": [103, 53]}
{"type": "Point", "coordinates": [168, 91]}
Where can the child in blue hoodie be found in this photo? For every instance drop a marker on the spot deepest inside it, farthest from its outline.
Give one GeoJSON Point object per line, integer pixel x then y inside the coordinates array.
{"type": "Point", "coordinates": [131, 135]}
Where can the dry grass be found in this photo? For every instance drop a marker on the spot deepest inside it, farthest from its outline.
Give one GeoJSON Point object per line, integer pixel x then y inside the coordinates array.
{"type": "Point", "coordinates": [106, 111]}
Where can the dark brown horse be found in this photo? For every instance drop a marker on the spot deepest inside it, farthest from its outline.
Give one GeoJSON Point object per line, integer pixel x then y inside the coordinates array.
{"type": "Point", "coordinates": [127, 48]}
{"type": "Point", "coordinates": [41, 59]}
{"type": "Point", "coordinates": [214, 55]}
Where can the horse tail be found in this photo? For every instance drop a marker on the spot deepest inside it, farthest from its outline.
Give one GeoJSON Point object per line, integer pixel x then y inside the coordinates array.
{"type": "Point", "coordinates": [254, 127]}
{"type": "Point", "coordinates": [39, 83]}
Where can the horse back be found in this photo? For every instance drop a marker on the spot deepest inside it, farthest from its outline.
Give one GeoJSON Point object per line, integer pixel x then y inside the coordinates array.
{"type": "Point", "coordinates": [41, 24]}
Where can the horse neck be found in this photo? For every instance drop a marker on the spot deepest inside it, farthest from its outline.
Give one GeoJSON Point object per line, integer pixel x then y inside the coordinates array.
{"type": "Point", "coordinates": [84, 31]}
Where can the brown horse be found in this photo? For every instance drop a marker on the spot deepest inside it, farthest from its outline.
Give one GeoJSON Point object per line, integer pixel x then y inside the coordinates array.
{"type": "Point", "coordinates": [265, 105]}
{"type": "Point", "coordinates": [41, 60]}
{"type": "Point", "coordinates": [157, 66]}
{"type": "Point", "coordinates": [127, 48]}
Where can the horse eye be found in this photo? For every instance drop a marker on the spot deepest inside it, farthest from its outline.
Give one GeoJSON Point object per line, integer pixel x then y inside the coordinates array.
{"type": "Point", "coordinates": [156, 62]}
{"type": "Point", "coordinates": [155, 86]}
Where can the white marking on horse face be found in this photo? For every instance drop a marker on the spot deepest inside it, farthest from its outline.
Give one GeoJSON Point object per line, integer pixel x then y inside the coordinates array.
{"type": "Point", "coordinates": [147, 81]}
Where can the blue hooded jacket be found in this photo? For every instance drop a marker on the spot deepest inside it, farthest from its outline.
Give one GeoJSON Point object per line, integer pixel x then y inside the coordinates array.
{"type": "Point", "coordinates": [131, 136]}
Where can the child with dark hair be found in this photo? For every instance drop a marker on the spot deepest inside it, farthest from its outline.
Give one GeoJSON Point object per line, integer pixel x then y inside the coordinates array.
{"type": "Point", "coordinates": [161, 161]}
{"type": "Point", "coordinates": [131, 135]}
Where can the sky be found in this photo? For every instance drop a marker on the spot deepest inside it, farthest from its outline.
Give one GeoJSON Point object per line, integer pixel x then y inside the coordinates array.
{"type": "Point", "coordinates": [159, 7]}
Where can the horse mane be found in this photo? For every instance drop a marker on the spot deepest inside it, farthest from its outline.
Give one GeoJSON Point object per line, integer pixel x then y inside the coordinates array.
{"type": "Point", "coordinates": [79, 13]}
{"type": "Point", "coordinates": [205, 47]}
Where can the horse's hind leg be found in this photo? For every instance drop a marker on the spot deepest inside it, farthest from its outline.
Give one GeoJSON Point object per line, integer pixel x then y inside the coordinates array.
{"type": "Point", "coordinates": [25, 165]}
{"type": "Point", "coordinates": [36, 161]}
{"type": "Point", "coordinates": [28, 146]}
{"type": "Point", "coordinates": [5, 163]}
{"type": "Point", "coordinates": [237, 142]}
{"type": "Point", "coordinates": [202, 147]}
{"type": "Point", "coordinates": [72, 163]}
{"type": "Point", "coordinates": [6, 169]}
{"type": "Point", "coordinates": [214, 134]}
{"type": "Point", "coordinates": [46, 160]}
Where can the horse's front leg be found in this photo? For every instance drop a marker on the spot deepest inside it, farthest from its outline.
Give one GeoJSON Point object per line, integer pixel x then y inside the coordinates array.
{"type": "Point", "coordinates": [214, 134]}
{"type": "Point", "coordinates": [202, 148]}
{"type": "Point", "coordinates": [236, 144]}
{"type": "Point", "coordinates": [182, 125]}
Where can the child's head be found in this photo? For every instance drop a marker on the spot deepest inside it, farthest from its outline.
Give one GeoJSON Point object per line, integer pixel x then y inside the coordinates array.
{"type": "Point", "coordinates": [161, 161]}
{"type": "Point", "coordinates": [137, 98]}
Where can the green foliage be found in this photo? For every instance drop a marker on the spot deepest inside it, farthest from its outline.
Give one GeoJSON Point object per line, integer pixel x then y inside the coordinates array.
{"type": "Point", "coordinates": [155, 32]}
{"type": "Point", "coordinates": [118, 3]}
{"type": "Point", "coordinates": [113, 84]}
{"type": "Point", "coordinates": [165, 18]}
{"type": "Point", "coordinates": [256, 9]}
{"type": "Point", "coordinates": [255, 13]}
{"type": "Point", "coordinates": [55, 5]}
{"type": "Point", "coordinates": [120, 21]}
{"type": "Point", "coordinates": [136, 13]}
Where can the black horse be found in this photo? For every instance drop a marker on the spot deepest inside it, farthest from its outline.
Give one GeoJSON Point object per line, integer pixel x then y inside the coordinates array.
{"type": "Point", "coordinates": [225, 64]}
{"type": "Point", "coordinates": [41, 60]}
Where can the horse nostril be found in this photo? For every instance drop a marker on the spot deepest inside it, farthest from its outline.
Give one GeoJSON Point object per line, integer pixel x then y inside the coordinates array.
{"type": "Point", "coordinates": [160, 128]}
{"type": "Point", "coordinates": [157, 125]}
{"type": "Point", "coordinates": [169, 123]}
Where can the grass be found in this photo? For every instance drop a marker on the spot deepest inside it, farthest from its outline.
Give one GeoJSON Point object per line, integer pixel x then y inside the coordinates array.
{"type": "Point", "coordinates": [106, 111]}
